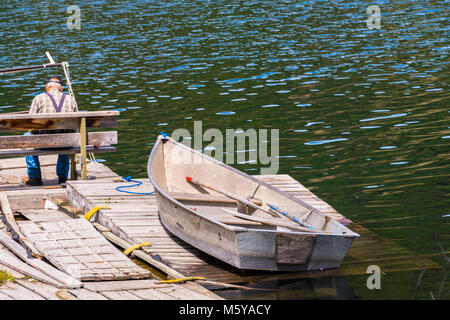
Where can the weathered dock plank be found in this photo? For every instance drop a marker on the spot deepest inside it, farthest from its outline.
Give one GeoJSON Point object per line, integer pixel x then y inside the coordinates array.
{"type": "Point", "coordinates": [4, 296]}
{"type": "Point", "coordinates": [84, 294]}
{"type": "Point", "coordinates": [120, 295]}
{"type": "Point", "coordinates": [22, 279]}
{"type": "Point", "coordinates": [82, 244]}
{"type": "Point", "coordinates": [42, 266]}
{"type": "Point", "coordinates": [147, 290]}
{"type": "Point", "coordinates": [8, 219]}
{"type": "Point", "coordinates": [18, 292]}
{"type": "Point", "coordinates": [12, 262]}
{"type": "Point", "coordinates": [124, 285]}
{"type": "Point", "coordinates": [44, 215]}
{"type": "Point", "coordinates": [155, 294]}
{"type": "Point", "coordinates": [44, 290]}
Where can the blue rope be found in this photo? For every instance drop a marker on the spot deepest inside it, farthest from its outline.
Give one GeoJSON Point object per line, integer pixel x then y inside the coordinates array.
{"type": "Point", "coordinates": [138, 183]}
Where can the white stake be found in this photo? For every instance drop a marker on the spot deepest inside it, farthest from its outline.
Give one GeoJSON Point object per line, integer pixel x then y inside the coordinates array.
{"type": "Point", "coordinates": [49, 57]}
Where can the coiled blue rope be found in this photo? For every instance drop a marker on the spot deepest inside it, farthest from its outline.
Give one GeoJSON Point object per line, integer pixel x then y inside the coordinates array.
{"type": "Point", "coordinates": [138, 183]}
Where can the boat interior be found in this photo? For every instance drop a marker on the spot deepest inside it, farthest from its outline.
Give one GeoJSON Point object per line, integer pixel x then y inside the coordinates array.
{"type": "Point", "coordinates": [173, 162]}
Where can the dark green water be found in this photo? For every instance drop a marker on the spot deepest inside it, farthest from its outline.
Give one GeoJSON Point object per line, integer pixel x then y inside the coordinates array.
{"type": "Point", "coordinates": [363, 114]}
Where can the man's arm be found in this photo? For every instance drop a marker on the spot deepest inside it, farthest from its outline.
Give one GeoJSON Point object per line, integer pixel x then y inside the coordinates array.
{"type": "Point", "coordinates": [74, 104]}
{"type": "Point", "coordinates": [34, 105]}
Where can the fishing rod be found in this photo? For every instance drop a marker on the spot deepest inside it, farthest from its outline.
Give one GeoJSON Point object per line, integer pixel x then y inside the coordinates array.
{"type": "Point", "coordinates": [52, 63]}
{"type": "Point", "coordinates": [19, 69]}
{"type": "Point", "coordinates": [42, 66]}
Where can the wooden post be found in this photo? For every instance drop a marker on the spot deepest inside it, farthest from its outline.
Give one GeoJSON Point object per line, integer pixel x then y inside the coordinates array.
{"type": "Point", "coordinates": [73, 167]}
{"type": "Point", "coordinates": [83, 148]}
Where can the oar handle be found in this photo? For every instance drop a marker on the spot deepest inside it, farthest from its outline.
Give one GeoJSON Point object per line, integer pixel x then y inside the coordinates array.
{"type": "Point", "coordinates": [246, 202]}
{"type": "Point", "coordinates": [288, 215]}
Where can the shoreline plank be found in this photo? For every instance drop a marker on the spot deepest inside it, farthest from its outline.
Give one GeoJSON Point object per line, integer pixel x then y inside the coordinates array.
{"type": "Point", "coordinates": [42, 266]}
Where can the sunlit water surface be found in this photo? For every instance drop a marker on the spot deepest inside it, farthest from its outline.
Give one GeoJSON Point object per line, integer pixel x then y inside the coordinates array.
{"type": "Point", "coordinates": [362, 114]}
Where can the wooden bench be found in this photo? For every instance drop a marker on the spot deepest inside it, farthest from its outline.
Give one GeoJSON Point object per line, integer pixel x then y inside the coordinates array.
{"type": "Point", "coordinates": [81, 142]}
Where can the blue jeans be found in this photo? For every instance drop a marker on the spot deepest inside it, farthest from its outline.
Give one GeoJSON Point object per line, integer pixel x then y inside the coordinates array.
{"type": "Point", "coordinates": [34, 167]}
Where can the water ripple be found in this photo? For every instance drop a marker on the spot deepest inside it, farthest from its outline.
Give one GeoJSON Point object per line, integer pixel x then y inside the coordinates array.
{"type": "Point", "coordinates": [312, 143]}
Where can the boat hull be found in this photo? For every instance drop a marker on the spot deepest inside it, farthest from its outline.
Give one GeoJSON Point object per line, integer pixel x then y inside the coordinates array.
{"type": "Point", "coordinates": [244, 248]}
{"type": "Point", "coordinates": [253, 249]}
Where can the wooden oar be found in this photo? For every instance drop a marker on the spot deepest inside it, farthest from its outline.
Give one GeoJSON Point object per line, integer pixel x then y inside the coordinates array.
{"type": "Point", "coordinates": [273, 222]}
{"type": "Point", "coordinates": [230, 195]}
{"type": "Point", "coordinates": [274, 210]}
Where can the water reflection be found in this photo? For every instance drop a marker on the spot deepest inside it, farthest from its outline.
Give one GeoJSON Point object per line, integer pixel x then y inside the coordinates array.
{"type": "Point", "coordinates": [327, 288]}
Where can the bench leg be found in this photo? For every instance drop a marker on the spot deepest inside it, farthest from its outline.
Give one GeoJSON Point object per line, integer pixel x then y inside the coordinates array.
{"type": "Point", "coordinates": [83, 148]}
{"type": "Point", "coordinates": [73, 167]}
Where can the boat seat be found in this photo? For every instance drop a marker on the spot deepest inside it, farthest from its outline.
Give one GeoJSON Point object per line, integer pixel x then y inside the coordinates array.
{"type": "Point", "coordinates": [200, 197]}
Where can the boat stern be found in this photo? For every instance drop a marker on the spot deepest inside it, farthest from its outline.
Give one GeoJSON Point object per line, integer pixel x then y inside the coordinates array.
{"type": "Point", "coordinates": [291, 251]}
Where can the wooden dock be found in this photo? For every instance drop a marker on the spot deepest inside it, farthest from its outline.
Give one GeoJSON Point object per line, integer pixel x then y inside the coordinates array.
{"type": "Point", "coordinates": [78, 262]}
{"type": "Point", "coordinates": [133, 219]}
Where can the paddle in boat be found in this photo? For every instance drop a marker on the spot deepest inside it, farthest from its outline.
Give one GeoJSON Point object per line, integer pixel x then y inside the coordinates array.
{"type": "Point", "coordinates": [238, 218]}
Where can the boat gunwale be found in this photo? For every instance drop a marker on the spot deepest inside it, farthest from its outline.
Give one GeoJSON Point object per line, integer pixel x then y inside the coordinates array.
{"type": "Point", "coordinates": [350, 234]}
